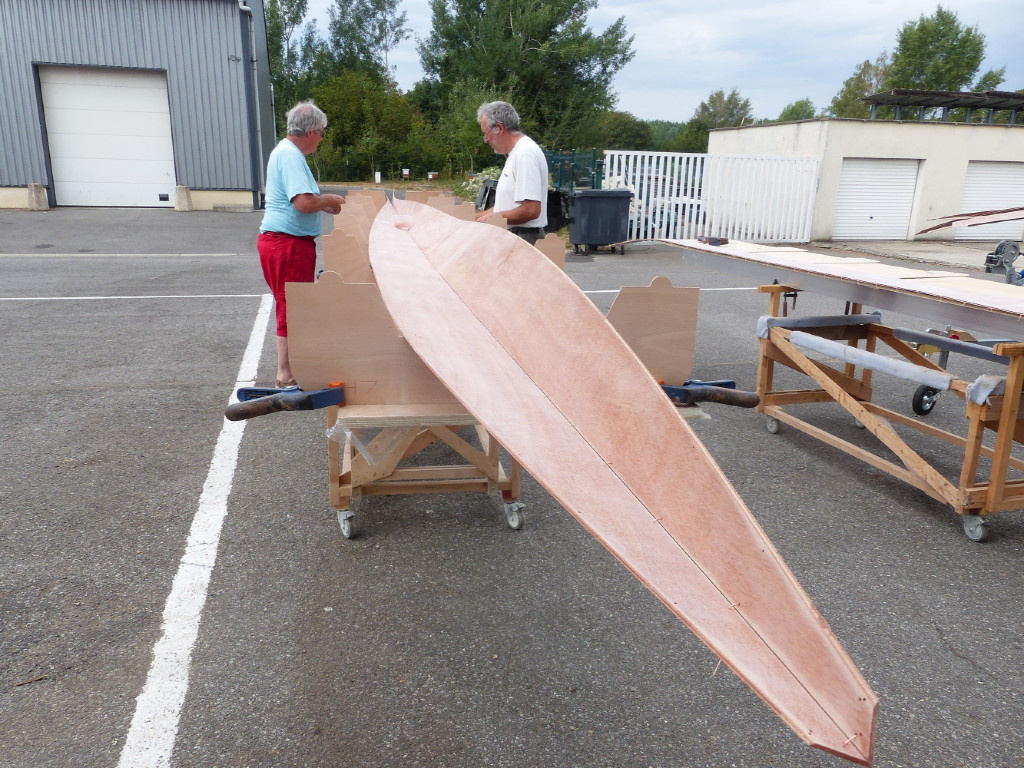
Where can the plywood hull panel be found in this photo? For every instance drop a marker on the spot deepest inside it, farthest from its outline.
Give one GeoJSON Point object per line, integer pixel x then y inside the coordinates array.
{"type": "Point", "coordinates": [539, 366]}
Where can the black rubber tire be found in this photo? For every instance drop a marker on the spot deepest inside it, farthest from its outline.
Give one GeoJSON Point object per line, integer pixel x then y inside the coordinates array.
{"type": "Point", "coordinates": [924, 400]}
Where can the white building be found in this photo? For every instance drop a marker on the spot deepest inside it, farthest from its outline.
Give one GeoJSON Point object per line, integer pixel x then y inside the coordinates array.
{"type": "Point", "coordinates": [886, 180]}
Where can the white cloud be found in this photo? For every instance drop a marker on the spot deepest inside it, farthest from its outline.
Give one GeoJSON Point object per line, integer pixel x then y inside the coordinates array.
{"type": "Point", "coordinates": [773, 53]}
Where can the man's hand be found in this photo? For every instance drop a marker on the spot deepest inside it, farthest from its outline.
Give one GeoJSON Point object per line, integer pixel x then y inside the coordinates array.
{"type": "Point", "coordinates": [333, 204]}
{"type": "Point", "coordinates": [310, 203]}
{"type": "Point", "coordinates": [526, 211]}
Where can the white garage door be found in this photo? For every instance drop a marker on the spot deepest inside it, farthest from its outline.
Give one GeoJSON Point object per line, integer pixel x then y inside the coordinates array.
{"type": "Point", "coordinates": [990, 187]}
{"type": "Point", "coordinates": [109, 135]}
{"type": "Point", "coordinates": [875, 199]}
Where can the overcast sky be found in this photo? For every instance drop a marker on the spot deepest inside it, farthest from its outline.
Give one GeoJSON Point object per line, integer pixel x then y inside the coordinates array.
{"type": "Point", "coordinates": [774, 52]}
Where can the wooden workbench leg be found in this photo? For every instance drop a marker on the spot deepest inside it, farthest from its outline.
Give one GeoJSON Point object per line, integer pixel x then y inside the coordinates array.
{"type": "Point", "coordinates": [869, 346]}
{"type": "Point", "coordinates": [851, 369]}
{"type": "Point", "coordinates": [765, 365]}
{"type": "Point", "coordinates": [493, 451]}
{"type": "Point", "coordinates": [515, 473]}
{"type": "Point", "coordinates": [1007, 423]}
{"type": "Point", "coordinates": [765, 371]}
{"type": "Point", "coordinates": [334, 462]}
{"type": "Point", "coordinates": [972, 446]}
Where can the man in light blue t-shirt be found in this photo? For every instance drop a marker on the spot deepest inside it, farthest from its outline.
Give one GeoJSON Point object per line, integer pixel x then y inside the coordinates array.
{"type": "Point", "coordinates": [291, 223]}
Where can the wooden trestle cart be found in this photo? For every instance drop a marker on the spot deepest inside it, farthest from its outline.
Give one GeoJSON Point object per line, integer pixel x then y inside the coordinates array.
{"type": "Point", "coordinates": [340, 334]}
{"type": "Point", "coordinates": [991, 404]}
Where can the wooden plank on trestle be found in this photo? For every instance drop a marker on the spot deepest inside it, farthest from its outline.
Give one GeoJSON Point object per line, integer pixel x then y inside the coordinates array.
{"type": "Point", "coordinates": [951, 298]}
{"type": "Point", "coordinates": [531, 357]}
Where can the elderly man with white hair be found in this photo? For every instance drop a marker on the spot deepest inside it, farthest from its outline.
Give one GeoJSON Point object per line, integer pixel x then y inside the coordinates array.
{"type": "Point", "coordinates": [522, 193]}
{"type": "Point", "coordinates": [291, 223]}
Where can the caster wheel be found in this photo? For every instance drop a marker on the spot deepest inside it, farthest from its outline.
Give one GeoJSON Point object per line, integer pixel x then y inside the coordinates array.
{"type": "Point", "coordinates": [975, 528]}
{"type": "Point", "coordinates": [772, 425]}
{"type": "Point", "coordinates": [622, 250]}
{"type": "Point", "coordinates": [924, 400]}
{"type": "Point", "coordinates": [575, 248]}
{"type": "Point", "coordinates": [514, 514]}
{"type": "Point", "coordinates": [347, 522]}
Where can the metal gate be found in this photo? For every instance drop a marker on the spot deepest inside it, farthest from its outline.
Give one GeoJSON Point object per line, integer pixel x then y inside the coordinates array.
{"type": "Point", "coordinates": [756, 198]}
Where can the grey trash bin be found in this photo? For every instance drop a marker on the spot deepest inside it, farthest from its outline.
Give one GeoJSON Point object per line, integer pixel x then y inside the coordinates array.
{"type": "Point", "coordinates": [599, 217]}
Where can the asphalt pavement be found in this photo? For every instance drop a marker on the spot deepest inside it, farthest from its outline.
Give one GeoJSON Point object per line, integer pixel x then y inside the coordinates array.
{"type": "Point", "coordinates": [438, 637]}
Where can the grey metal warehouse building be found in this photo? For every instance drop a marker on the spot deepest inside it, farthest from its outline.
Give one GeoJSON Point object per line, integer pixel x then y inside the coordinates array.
{"type": "Point", "coordinates": [134, 103]}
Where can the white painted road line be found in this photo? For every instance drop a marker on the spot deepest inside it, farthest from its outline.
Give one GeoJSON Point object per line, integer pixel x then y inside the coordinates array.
{"type": "Point", "coordinates": [122, 298]}
{"type": "Point", "coordinates": [154, 728]}
{"type": "Point", "coordinates": [702, 290]}
{"type": "Point", "coordinates": [248, 295]}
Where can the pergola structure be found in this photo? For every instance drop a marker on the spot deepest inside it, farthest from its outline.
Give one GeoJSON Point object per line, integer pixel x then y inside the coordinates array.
{"type": "Point", "coordinates": [991, 101]}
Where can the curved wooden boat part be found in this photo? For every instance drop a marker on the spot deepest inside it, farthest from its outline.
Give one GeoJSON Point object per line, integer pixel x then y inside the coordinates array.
{"type": "Point", "coordinates": [528, 354]}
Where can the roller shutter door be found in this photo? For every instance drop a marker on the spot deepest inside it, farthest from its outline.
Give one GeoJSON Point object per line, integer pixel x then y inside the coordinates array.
{"type": "Point", "coordinates": [109, 136]}
{"type": "Point", "coordinates": [875, 199]}
{"type": "Point", "coordinates": [989, 187]}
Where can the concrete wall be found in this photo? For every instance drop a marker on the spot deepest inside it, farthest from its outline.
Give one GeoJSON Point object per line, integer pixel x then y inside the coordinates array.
{"type": "Point", "coordinates": [943, 149]}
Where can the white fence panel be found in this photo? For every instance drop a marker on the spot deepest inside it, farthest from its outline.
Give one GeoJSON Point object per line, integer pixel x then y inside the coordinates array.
{"type": "Point", "coordinates": [757, 198]}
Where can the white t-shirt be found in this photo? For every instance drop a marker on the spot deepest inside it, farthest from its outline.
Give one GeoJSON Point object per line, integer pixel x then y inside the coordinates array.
{"type": "Point", "coordinates": [524, 177]}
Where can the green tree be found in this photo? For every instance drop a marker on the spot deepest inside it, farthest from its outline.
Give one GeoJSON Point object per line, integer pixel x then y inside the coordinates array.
{"type": "Point", "coordinates": [543, 56]}
{"type": "Point", "coordinates": [368, 123]}
{"type": "Point", "coordinates": [937, 53]}
{"type": "Point", "coordinates": [722, 111]}
{"type": "Point", "coordinates": [362, 33]}
{"type": "Point", "coordinates": [296, 55]}
{"type": "Point", "coordinates": [428, 98]}
{"type": "Point", "coordinates": [459, 129]}
{"type": "Point", "coordinates": [798, 110]}
{"type": "Point", "coordinates": [624, 131]}
{"type": "Point", "coordinates": [426, 149]}
{"type": "Point", "coordinates": [664, 131]}
{"type": "Point", "coordinates": [868, 78]}
{"type": "Point", "coordinates": [692, 138]}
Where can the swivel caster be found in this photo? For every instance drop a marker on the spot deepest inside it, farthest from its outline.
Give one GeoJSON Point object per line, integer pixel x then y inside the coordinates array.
{"type": "Point", "coordinates": [514, 514]}
{"type": "Point", "coordinates": [975, 528]}
{"type": "Point", "coordinates": [346, 519]}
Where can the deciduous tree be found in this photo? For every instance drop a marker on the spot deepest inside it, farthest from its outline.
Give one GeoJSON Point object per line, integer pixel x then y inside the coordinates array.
{"type": "Point", "coordinates": [664, 131]}
{"type": "Point", "coordinates": [367, 125]}
{"type": "Point", "coordinates": [721, 110]}
{"type": "Point", "coordinates": [692, 138]}
{"type": "Point", "coordinates": [362, 34]}
{"type": "Point", "coordinates": [868, 78]}
{"type": "Point", "coordinates": [624, 131]}
{"type": "Point", "coordinates": [555, 70]}
{"type": "Point", "coordinates": [798, 110]}
{"type": "Point", "coordinates": [296, 55]}
{"type": "Point", "coordinates": [937, 53]}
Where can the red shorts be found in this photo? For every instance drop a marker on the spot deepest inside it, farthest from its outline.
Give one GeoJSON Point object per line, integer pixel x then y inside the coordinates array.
{"type": "Point", "coordinates": [285, 259]}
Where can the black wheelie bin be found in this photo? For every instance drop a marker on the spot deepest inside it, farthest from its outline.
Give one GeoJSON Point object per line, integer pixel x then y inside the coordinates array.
{"type": "Point", "coordinates": [599, 217]}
